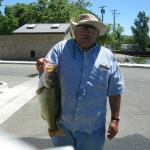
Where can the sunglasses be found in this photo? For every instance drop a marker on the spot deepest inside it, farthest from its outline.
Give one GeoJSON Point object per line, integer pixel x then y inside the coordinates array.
{"type": "Point", "coordinates": [83, 28]}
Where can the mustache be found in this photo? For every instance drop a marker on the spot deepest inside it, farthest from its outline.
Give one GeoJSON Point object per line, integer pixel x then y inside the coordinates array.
{"type": "Point", "coordinates": [84, 38]}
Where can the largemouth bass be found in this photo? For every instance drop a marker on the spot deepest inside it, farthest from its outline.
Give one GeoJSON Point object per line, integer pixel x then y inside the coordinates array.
{"type": "Point", "coordinates": [49, 95]}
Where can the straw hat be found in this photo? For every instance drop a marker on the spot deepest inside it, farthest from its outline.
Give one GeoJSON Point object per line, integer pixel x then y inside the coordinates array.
{"type": "Point", "coordinates": [88, 19]}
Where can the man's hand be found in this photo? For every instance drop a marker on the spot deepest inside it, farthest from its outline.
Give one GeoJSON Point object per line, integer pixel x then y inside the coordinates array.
{"type": "Point", "coordinates": [112, 130]}
{"type": "Point", "coordinates": [41, 62]}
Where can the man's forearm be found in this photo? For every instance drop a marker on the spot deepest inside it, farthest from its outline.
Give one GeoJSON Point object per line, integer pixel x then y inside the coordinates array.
{"type": "Point", "coordinates": [115, 102]}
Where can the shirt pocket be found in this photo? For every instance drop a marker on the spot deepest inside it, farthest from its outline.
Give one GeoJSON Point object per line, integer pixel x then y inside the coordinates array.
{"type": "Point", "coordinates": [99, 77]}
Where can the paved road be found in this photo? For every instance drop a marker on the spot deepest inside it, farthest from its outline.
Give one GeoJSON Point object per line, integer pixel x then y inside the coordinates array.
{"type": "Point", "coordinates": [134, 132]}
{"type": "Point", "coordinates": [15, 74]}
{"type": "Point", "coordinates": [135, 111]}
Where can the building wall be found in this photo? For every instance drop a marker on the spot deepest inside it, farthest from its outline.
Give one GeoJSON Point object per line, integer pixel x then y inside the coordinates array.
{"type": "Point", "coordinates": [25, 46]}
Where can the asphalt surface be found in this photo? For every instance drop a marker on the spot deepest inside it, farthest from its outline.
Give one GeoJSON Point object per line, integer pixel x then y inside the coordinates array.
{"type": "Point", "coordinates": [14, 74]}
{"type": "Point", "coordinates": [134, 128]}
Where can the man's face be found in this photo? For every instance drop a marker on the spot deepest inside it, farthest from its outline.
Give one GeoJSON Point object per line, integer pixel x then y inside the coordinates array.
{"type": "Point", "coordinates": [85, 36]}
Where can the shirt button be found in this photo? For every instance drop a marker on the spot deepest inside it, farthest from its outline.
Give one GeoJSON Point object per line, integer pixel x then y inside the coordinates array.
{"type": "Point", "coordinates": [77, 109]}
{"type": "Point", "coordinates": [84, 94]}
{"type": "Point", "coordinates": [82, 86]}
{"type": "Point", "coordinates": [79, 98]}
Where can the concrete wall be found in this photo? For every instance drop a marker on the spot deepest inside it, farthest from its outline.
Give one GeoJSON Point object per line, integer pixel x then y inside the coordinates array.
{"type": "Point", "coordinates": [22, 46]}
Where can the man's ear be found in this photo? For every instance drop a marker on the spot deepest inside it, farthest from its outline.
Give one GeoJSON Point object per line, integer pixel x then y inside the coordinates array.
{"type": "Point", "coordinates": [97, 35]}
{"type": "Point", "coordinates": [75, 30]}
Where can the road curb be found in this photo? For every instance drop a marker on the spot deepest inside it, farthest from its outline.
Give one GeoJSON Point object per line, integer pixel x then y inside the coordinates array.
{"type": "Point", "coordinates": [134, 65]}
{"type": "Point", "coordinates": [18, 62]}
{"type": "Point", "coordinates": [34, 62]}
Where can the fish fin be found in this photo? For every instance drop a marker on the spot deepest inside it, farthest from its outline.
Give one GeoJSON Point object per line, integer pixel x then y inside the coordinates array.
{"type": "Point", "coordinates": [39, 91]}
{"type": "Point", "coordinates": [43, 117]}
{"type": "Point", "coordinates": [57, 132]}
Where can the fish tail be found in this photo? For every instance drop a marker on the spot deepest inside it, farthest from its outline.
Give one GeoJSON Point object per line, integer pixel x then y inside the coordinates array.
{"type": "Point", "coordinates": [57, 132]}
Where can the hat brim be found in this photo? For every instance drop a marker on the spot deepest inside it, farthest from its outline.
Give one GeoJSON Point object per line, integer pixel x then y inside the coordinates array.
{"type": "Point", "coordinates": [98, 25]}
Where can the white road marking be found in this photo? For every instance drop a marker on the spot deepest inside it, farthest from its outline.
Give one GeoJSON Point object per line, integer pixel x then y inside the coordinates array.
{"type": "Point", "coordinates": [16, 97]}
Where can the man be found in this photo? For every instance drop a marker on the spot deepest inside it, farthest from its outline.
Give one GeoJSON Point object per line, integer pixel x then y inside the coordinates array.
{"type": "Point", "coordinates": [89, 73]}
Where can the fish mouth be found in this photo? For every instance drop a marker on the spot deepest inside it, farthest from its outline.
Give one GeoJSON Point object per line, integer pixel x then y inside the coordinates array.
{"type": "Point", "coordinates": [51, 68]}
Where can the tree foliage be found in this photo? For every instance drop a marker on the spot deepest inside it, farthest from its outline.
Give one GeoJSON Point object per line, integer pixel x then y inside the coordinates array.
{"type": "Point", "coordinates": [1, 2]}
{"type": "Point", "coordinates": [113, 38]}
{"type": "Point", "coordinates": [42, 11]}
{"type": "Point", "coordinates": [7, 24]}
{"type": "Point", "coordinates": [24, 13]}
{"type": "Point", "coordinates": [128, 39]}
{"type": "Point", "coordinates": [140, 30]}
{"type": "Point", "coordinates": [54, 11]}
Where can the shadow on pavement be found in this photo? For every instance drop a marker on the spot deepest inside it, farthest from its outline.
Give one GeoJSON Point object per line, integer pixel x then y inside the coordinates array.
{"type": "Point", "coordinates": [130, 142]}
{"type": "Point", "coordinates": [33, 75]}
{"type": "Point", "coordinates": [38, 143]}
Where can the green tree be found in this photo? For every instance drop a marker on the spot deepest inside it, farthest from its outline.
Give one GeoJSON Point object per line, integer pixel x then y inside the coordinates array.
{"type": "Point", "coordinates": [43, 11]}
{"type": "Point", "coordinates": [59, 10]}
{"type": "Point", "coordinates": [140, 30]}
{"type": "Point", "coordinates": [148, 46]}
{"type": "Point", "coordinates": [16, 16]}
{"type": "Point", "coordinates": [24, 13]}
{"type": "Point", "coordinates": [52, 11]}
{"type": "Point", "coordinates": [128, 39]}
{"type": "Point", "coordinates": [7, 24]}
{"type": "Point", "coordinates": [77, 8]}
{"type": "Point", "coordinates": [82, 4]}
{"type": "Point", "coordinates": [111, 38]}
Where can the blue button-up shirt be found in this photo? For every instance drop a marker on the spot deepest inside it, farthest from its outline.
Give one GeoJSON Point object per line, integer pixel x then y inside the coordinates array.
{"type": "Point", "coordinates": [87, 78]}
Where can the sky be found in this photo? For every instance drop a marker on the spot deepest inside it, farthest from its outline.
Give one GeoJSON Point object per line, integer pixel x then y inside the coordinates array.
{"type": "Point", "coordinates": [127, 10]}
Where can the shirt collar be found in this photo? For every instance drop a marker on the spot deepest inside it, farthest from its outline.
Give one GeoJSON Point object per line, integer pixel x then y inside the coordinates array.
{"type": "Point", "coordinates": [92, 47]}
{"type": "Point", "coordinates": [96, 48]}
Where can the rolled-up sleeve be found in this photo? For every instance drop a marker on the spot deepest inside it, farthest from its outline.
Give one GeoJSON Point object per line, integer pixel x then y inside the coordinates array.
{"type": "Point", "coordinates": [116, 82]}
{"type": "Point", "coordinates": [53, 55]}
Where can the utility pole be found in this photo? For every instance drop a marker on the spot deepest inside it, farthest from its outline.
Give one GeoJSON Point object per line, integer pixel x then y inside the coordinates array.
{"type": "Point", "coordinates": [0, 6]}
{"type": "Point", "coordinates": [114, 12]}
{"type": "Point", "coordinates": [1, 2]}
{"type": "Point", "coordinates": [102, 12]}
